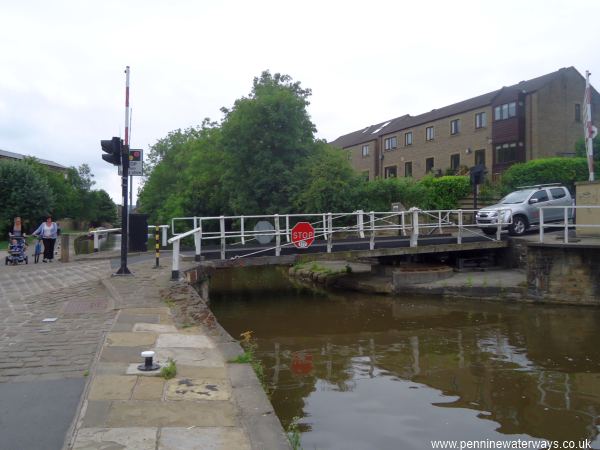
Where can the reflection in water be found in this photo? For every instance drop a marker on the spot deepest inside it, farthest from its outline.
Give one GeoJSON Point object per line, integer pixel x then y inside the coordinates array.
{"type": "Point", "coordinates": [398, 372]}
{"type": "Point", "coordinates": [85, 245]}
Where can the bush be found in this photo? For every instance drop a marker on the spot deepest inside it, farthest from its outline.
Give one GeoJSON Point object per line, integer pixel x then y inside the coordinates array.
{"type": "Point", "coordinates": [543, 171]}
{"type": "Point", "coordinates": [443, 192]}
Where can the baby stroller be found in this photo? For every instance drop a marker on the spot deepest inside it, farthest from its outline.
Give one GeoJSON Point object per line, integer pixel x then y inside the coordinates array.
{"type": "Point", "coordinates": [16, 251]}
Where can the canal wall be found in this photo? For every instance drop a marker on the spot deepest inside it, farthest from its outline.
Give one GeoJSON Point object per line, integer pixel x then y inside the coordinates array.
{"type": "Point", "coordinates": [564, 273]}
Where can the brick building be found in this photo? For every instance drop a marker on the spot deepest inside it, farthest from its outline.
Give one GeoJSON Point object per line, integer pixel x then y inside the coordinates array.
{"type": "Point", "coordinates": [533, 119]}
{"type": "Point", "coordinates": [4, 154]}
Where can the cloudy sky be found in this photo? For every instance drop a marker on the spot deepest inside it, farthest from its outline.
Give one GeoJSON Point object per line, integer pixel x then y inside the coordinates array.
{"type": "Point", "coordinates": [62, 62]}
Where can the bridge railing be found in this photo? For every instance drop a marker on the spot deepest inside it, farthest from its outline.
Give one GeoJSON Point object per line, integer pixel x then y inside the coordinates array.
{"type": "Point", "coordinates": [235, 230]}
{"type": "Point", "coordinates": [549, 220]}
{"type": "Point", "coordinates": [96, 234]}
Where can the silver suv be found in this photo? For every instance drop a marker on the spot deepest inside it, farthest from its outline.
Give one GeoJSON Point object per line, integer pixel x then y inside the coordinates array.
{"type": "Point", "coordinates": [524, 206]}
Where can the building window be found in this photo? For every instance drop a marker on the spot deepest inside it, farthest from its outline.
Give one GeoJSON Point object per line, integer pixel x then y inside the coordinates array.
{"type": "Point", "coordinates": [505, 111]}
{"type": "Point", "coordinates": [408, 169]}
{"type": "Point", "coordinates": [506, 153]}
{"type": "Point", "coordinates": [455, 126]}
{"type": "Point", "coordinates": [480, 120]}
{"type": "Point", "coordinates": [455, 161]}
{"type": "Point", "coordinates": [390, 143]}
{"type": "Point", "coordinates": [428, 165]}
{"type": "Point", "coordinates": [365, 175]}
{"type": "Point", "coordinates": [365, 151]}
{"type": "Point", "coordinates": [408, 138]}
{"type": "Point", "coordinates": [480, 157]}
{"type": "Point", "coordinates": [577, 112]}
{"type": "Point", "coordinates": [390, 172]}
{"type": "Point", "coordinates": [429, 134]}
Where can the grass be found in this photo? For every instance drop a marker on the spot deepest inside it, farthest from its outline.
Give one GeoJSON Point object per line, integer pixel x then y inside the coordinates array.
{"type": "Point", "coordinates": [293, 434]}
{"type": "Point", "coordinates": [169, 370]}
{"type": "Point", "coordinates": [248, 357]}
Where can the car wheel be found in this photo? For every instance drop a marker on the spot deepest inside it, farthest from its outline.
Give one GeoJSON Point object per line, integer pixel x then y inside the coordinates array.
{"type": "Point", "coordinates": [519, 226]}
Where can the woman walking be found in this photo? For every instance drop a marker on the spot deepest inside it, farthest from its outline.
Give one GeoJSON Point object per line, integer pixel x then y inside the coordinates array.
{"type": "Point", "coordinates": [48, 231]}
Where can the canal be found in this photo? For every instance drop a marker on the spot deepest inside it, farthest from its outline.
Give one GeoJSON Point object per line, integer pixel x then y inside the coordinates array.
{"type": "Point", "coordinates": [374, 372]}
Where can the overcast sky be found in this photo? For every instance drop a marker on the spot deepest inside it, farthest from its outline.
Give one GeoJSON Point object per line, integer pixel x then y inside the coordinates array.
{"type": "Point", "coordinates": [62, 62]}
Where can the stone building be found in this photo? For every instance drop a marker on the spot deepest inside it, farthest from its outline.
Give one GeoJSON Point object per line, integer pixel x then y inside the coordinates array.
{"type": "Point", "coordinates": [4, 154]}
{"type": "Point", "coordinates": [537, 118]}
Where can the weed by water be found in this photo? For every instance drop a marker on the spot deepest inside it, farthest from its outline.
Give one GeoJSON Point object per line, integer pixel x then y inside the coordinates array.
{"type": "Point", "coordinates": [293, 434]}
{"type": "Point", "coordinates": [469, 281]}
{"type": "Point", "coordinates": [169, 370]}
{"type": "Point", "coordinates": [248, 357]}
{"type": "Point", "coordinates": [86, 373]}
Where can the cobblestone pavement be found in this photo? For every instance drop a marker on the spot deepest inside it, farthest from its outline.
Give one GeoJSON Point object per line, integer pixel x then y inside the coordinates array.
{"type": "Point", "coordinates": [73, 294]}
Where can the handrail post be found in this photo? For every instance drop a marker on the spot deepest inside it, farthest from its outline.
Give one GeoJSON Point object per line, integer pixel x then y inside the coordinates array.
{"type": "Point", "coordinates": [372, 240]}
{"type": "Point", "coordinates": [96, 242]}
{"type": "Point", "coordinates": [277, 236]}
{"type": "Point", "coordinates": [164, 235]}
{"type": "Point", "coordinates": [542, 225]}
{"type": "Point", "coordinates": [324, 226]}
{"type": "Point", "coordinates": [566, 214]}
{"type": "Point", "coordinates": [403, 222]}
{"type": "Point", "coordinates": [222, 227]}
{"type": "Point", "coordinates": [360, 224]}
{"type": "Point", "coordinates": [329, 232]}
{"type": "Point", "coordinates": [197, 242]}
{"type": "Point", "coordinates": [414, 235]}
{"type": "Point", "coordinates": [175, 269]}
{"type": "Point", "coordinates": [242, 230]}
{"type": "Point", "coordinates": [460, 227]}
{"type": "Point", "coordinates": [440, 222]}
{"type": "Point", "coordinates": [499, 221]}
{"type": "Point", "coordinates": [287, 228]}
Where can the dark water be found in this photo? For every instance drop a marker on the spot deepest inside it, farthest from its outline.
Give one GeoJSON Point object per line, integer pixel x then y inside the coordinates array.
{"type": "Point", "coordinates": [366, 372]}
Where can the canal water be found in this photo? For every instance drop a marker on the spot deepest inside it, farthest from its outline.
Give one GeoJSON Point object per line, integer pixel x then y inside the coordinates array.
{"type": "Point", "coordinates": [374, 372]}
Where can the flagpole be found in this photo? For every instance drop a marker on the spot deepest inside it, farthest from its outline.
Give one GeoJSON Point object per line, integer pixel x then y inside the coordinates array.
{"type": "Point", "coordinates": [589, 129]}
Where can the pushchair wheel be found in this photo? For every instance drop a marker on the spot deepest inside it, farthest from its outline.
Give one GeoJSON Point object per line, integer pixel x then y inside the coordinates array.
{"type": "Point", "coordinates": [27, 260]}
{"type": "Point", "coordinates": [6, 261]}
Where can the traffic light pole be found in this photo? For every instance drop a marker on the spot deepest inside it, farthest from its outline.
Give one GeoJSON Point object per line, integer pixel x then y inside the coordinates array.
{"type": "Point", "coordinates": [123, 270]}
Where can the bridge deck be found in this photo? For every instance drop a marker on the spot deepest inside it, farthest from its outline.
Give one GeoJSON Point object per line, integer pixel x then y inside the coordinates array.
{"type": "Point", "coordinates": [251, 255]}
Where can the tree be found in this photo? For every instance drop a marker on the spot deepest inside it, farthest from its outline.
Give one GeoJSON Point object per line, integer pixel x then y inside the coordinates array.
{"type": "Point", "coordinates": [565, 171]}
{"type": "Point", "coordinates": [23, 193]}
{"type": "Point", "coordinates": [264, 137]}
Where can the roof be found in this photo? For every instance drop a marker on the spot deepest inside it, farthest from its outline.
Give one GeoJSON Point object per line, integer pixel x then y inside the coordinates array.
{"type": "Point", "coordinates": [12, 155]}
{"type": "Point", "coordinates": [408, 121]}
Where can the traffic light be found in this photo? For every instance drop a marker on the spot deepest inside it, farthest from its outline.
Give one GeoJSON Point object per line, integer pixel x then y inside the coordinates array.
{"type": "Point", "coordinates": [477, 174]}
{"type": "Point", "coordinates": [114, 150]}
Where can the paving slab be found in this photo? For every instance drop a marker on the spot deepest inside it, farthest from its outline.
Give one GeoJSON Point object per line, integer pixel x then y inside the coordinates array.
{"type": "Point", "coordinates": [191, 357]}
{"type": "Point", "coordinates": [198, 389]}
{"type": "Point", "coordinates": [180, 340]}
{"type": "Point", "coordinates": [184, 371]}
{"type": "Point", "coordinates": [154, 328]}
{"type": "Point", "coordinates": [171, 414]}
{"type": "Point", "coordinates": [122, 339]}
{"type": "Point", "coordinates": [149, 389]}
{"type": "Point", "coordinates": [116, 438]}
{"type": "Point", "coordinates": [132, 369]}
{"type": "Point", "coordinates": [122, 354]}
{"type": "Point", "coordinates": [112, 387]}
{"type": "Point", "coordinates": [214, 438]}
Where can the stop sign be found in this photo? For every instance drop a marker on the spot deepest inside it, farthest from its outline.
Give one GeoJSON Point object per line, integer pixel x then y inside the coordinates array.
{"type": "Point", "coordinates": [303, 234]}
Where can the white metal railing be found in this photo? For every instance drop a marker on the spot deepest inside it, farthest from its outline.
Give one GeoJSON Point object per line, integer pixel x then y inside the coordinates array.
{"type": "Point", "coordinates": [98, 233]}
{"type": "Point", "coordinates": [412, 223]}
{"type": "Point", "coordinates": [566, 215]}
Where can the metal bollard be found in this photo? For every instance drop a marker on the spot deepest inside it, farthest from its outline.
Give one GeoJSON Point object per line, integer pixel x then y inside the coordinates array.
{"type": "Point", "coordinates": [157, 245]}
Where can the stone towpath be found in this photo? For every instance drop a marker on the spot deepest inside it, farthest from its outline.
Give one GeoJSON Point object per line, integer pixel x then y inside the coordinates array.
{"type": "Point", "coordinates": [209, 404]}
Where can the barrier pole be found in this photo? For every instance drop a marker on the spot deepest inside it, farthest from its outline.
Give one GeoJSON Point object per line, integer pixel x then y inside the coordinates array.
{"type": "Point", "coordinates": [157, 245]}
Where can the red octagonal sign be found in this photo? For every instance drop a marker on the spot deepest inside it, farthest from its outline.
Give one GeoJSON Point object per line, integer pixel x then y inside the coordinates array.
{"type": "Point", "coordinates": [303, 234]}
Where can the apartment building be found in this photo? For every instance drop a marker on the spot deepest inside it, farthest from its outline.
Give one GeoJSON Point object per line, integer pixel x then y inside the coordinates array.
{"type": "Point", "coordinates": [4, 154]}
{"type": "Point", "coordinates": [533, 119]}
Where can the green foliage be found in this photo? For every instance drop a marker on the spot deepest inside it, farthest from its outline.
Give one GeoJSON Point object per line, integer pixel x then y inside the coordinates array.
{"type": "Point", "coordinates": [542, 171]}
{"type": "Point", "coordinates": [444, 192]}
{"type": "Point", "coordinates": [169, 370]}
{"type": "Point", "coordinates": [293, 434]}
{"type": "Point", "coordinates": [22, 193]}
